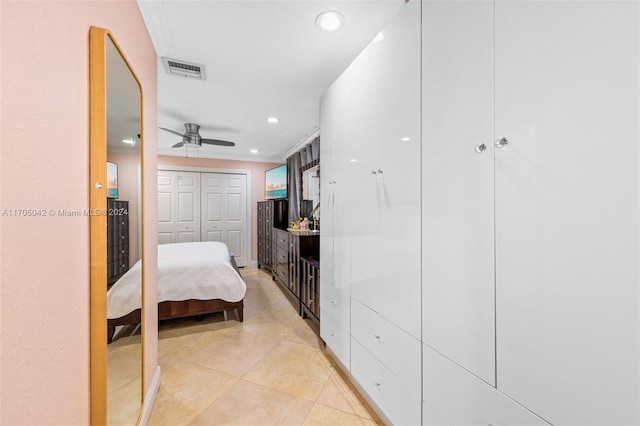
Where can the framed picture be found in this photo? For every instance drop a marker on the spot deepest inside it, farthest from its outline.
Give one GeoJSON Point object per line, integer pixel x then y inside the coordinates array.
{"type": "Point", "coordinates": [112, 180]}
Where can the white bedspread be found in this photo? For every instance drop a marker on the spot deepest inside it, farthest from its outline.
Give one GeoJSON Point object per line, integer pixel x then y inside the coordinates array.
{"type": "Point", "coordinates": [185, 271]}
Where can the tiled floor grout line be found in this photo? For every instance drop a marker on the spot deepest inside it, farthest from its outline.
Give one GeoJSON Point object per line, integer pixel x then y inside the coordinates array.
{"type": "Point", "coordinates": [274, 321]}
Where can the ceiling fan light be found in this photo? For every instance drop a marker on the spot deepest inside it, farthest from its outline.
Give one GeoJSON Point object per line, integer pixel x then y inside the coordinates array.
{"type": "Point", "coordinates": [329, 21]}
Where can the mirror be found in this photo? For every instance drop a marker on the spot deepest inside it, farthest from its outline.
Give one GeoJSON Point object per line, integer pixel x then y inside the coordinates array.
{"type": "Point", "coordinates": [311, 194]}
{"type": "Point", "coordinates": [116, 234]}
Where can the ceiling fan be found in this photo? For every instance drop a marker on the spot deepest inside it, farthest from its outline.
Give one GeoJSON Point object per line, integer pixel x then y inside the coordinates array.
{"type": "Point", "coordinates": [191, 137]}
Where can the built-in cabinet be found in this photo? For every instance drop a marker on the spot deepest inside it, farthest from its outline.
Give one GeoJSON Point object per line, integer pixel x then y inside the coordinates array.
{"type": "Point", "coordinates": [530, 249]}
{"type": "Point", "coordinates": [481, 221]}
{"type": "Point", "coordinates": [370, 120]}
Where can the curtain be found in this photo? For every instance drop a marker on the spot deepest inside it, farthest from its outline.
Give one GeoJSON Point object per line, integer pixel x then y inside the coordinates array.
{"type": "Point", "coordinates": [295, 186]}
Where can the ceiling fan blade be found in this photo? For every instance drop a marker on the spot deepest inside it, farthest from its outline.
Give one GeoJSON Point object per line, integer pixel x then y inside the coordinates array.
{"type": "Point", "coordinates": [170, 131]}
{"type": "Point", "coordinates": [217, 142]}
{"type": "Point", "coordinates": [178, 145]}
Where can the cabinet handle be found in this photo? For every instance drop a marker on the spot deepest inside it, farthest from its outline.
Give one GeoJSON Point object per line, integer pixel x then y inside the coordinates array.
{"type": "Point", "coordinates": [332, 302]}
{"type": "Point", "coordinates": [377, 337]}
{"type": "Point", "coordinates": [480, 148]}
{"type": "Point", "coordinates": [502, 142]}
{"type": "Point", "coordinates": [373, 172]}
{"type": "Point", "coordinates": [379, 171]}
{"type": "Point", "coordinates": [333, 335]}
{"type": "Point", "coordinates": [377, 384]}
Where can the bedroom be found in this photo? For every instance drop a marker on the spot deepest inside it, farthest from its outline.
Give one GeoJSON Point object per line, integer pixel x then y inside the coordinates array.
{"type": "Point", "coordinates": [45, 266]}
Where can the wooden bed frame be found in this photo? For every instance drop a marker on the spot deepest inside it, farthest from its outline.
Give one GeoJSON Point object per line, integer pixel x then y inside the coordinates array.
{"type": "Point", "coordinates": [180, 309]}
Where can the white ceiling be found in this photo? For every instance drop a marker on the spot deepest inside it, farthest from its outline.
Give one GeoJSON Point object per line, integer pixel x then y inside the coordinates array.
{"type": "Point", "coordinates": [262, 58]}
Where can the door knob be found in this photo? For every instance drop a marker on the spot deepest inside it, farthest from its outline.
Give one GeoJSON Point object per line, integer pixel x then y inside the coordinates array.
{"type": "Point", "coordinates": [480, 148]}
{"type": "Point", "coordinates": [502, 142]}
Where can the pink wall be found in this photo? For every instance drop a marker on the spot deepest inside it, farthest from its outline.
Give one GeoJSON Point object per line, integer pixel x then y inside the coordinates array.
{"type": "Point", "coordinates": [44, 156]}
{"type": "Point", "coordinates": [257, 183]}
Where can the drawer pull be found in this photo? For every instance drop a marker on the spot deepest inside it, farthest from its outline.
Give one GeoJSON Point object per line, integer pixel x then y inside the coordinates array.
{"type": "Point", "coordinates": [377, 385]}
{"type": "Point", "coordinates": [377, 337]}
{"type": "Point", "coordinates": [333, 335]}
{"type": "Point", "coordinates": [333, 302]}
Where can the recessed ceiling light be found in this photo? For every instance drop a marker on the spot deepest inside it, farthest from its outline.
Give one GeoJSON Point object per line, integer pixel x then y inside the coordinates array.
{"type": "Point", "coordinates": [254, 151]}
{"type": "Point", "coordinates": [405, 139]}
{"type": "Point", "coordinates": [378, 38]}
{"type": "Point", "coordinates": [273, 120]}
{"type": "Point", "coordinates": [353, 160]}
{"type": "Point", "coordinates": [329, 21]}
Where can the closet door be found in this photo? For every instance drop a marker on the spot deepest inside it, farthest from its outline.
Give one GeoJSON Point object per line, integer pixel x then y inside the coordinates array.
{"type": "Point", "coordinates": [224, 212]}
{"type": "Point", "coordinates": [363, 174]}
{"type": "Point", "coordinates": [398, 171]}
{"type": "Point", "coordinates": [567, 209]}
{"type": "Point", "coordinates": [457, 184]}
{"type": "Point", "coordinates": [178, 207]}
{"type": "Point", "coordinates": [334, 220]}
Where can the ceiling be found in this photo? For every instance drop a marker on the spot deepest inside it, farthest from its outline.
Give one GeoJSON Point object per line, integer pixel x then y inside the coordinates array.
{"type": "Point", "coordinates": [262, 58]}
{"type": "Point", "coordinates": [123, 103]}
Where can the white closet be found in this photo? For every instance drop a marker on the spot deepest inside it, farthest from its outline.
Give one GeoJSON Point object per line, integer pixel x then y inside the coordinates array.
{"type": "Point", "coordinates": [482, 166]}
{"type": "Point", "coordinates": [199, 206]}
{"type": "Point", "coordinates": [536, 289]}
{"type": "Point", "coordinates": [371, 301]}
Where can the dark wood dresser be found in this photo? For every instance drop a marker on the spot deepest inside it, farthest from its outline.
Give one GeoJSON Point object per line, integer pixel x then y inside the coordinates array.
{"type": "Point", "coordinates": [271, 213]}
{"type": "Point", "coordinates": [117, 239]}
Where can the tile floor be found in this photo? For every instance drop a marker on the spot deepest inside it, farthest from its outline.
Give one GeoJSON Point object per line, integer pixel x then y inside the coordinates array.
{"type": "Point", "coordinates": [268, 370]}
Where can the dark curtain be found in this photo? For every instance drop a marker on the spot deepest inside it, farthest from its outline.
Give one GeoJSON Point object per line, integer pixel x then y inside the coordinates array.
{"type": "Point", "coordinates": [295, 186]}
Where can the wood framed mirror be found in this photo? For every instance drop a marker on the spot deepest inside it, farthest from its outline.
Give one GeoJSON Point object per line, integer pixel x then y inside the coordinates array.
{"type": "Point", "coordinates": [116, 233]}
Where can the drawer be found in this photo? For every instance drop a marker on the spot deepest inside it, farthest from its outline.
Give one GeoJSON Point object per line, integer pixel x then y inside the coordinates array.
{"type": "Point", "coordinates": [282, 238]}
{"type": "Point", "coordinates": [337, 338]}
{"type": "Point", "coordinates": [393, 347]}
{"type": "Point", "coordinates": [282, 257]}
{"type": "Point", "coordinates": [282, 273]}
{"type": "Point", "coordinates": [460, 398]}
{"type": "Point", "coordinates": [392, 396]}
{"type": "Point", "coordinates": [335, 302]}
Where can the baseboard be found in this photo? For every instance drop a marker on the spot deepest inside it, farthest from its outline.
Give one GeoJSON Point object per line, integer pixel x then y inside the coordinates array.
{"type": "Point", "coordinates": [361, 394]}
{"type": "Point", "coordinates": [150, 398]}
{"type": "Point", "coordinates": [254, 264]}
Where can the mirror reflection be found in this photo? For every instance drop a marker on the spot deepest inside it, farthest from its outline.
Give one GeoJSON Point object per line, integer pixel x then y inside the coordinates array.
{"type": "Point", "coordinates": [311, 194]}
{"type": "Point", "coordinates": [124, 239]}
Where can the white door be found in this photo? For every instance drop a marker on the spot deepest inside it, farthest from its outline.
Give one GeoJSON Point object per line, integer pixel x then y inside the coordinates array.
{"type": "Point", "coordinates": [567, 209]}
{"type": "Point", "coordinates": [397, 165]}
{"type": "Point", "coordinates": [334, 256]}
{"type": "Point", "coordinates": [178, 207]}
{"type": "Point", "coordinates": [362, 172]}
{"type": "Point", "coordinates": [224, 212]}
{"type": "Point", "coordinates": [457, 184]}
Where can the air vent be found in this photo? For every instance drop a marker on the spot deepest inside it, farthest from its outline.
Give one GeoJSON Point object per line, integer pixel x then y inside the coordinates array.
{"type": "Point", "coordinates": [182, 68]}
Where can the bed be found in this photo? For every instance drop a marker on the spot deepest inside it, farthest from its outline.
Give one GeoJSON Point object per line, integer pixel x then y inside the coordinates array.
{"type": "Point", "coordinates": [194, 279]}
